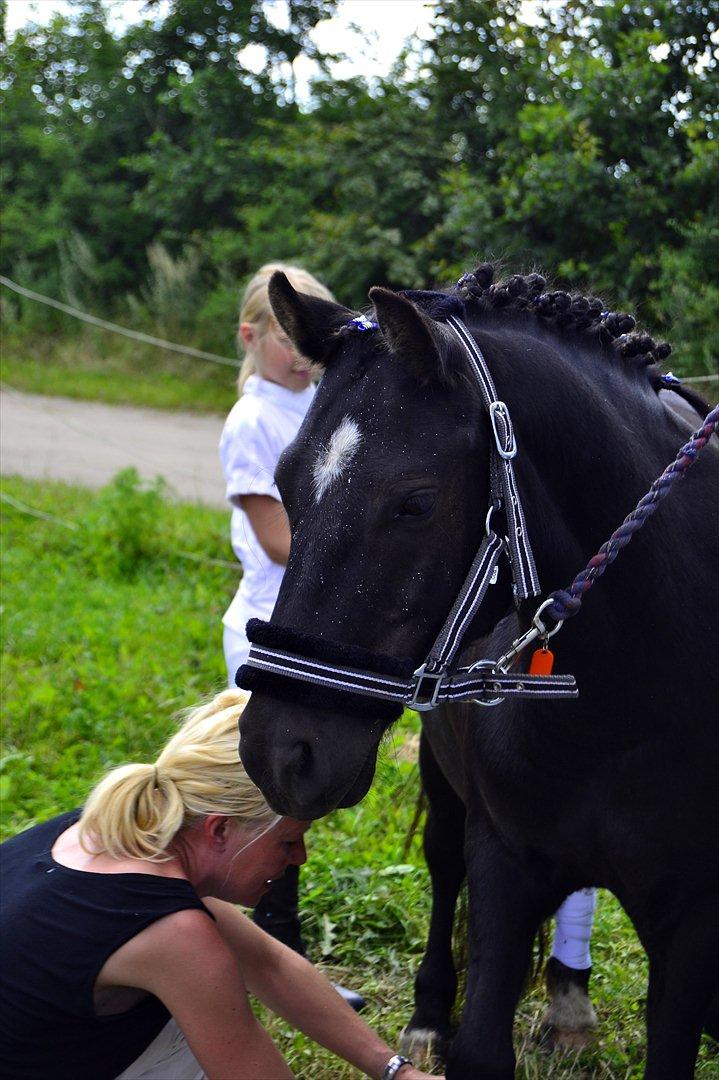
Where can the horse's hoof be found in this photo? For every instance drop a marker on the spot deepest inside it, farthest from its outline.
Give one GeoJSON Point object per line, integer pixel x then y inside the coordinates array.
{"type": "Point", "coordinates": [554, 1038]}
{"type": "Point", "coordinates": [425, 1046]}
{"type": "Point", "coordinates": [570, 1022]}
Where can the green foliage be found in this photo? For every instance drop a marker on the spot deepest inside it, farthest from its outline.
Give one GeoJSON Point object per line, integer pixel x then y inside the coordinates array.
{"type": "Point", "coordinates": [147, 173]}
{"type": "Point", "coordinates": [95, 662]}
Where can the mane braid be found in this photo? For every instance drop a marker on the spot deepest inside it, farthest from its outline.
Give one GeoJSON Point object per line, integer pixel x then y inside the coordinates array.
{"type": "Point", "coordinates": [570, 312]}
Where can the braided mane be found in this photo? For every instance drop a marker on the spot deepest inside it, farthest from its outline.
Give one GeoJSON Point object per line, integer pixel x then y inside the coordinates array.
{"type": "Point", "coordinates": [570, 311]}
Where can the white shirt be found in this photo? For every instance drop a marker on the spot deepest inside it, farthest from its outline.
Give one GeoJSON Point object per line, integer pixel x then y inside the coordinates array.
{"type": "Point", "coordinates": [261, 424]}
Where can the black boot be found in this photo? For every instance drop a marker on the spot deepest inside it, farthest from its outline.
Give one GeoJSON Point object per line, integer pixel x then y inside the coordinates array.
{"type": "Point", "coordinates": [277, 911]}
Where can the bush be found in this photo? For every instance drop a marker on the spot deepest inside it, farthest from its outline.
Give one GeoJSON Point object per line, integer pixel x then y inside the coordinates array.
{"type": "Point", "coordinates": [123, 527]}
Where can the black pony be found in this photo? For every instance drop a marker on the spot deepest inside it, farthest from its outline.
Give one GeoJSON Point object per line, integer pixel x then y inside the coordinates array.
{"type": "Point", "coordinates": [387, 488]}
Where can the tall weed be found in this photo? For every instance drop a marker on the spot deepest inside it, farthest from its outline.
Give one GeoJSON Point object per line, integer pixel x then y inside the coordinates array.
{"type": "Point", "coordinates": [173, 291]}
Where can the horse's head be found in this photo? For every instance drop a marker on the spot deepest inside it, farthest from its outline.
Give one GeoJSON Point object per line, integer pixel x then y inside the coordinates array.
{"type": "Point", "coordinates": [386, 488]}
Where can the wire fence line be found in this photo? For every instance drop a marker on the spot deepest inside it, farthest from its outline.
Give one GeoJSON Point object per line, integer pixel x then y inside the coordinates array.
{"type": "Point", "coordinates": [136, 335]}
{"type": "Point", "coordinates": [32, 511]}
{"type": "Point", "coordinates": [149, 339]}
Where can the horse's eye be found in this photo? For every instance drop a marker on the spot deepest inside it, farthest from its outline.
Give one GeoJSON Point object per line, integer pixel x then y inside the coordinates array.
{"type": "Point", "coordinates": [417, 504]}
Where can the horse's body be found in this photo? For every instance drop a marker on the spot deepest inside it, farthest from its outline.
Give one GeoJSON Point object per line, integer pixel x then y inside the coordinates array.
{"type": "Point", "coordinates": [619, 788]}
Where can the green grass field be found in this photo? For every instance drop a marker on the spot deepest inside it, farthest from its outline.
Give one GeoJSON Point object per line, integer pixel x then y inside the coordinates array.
{"type": "Point", "coordinates": [111, 625]}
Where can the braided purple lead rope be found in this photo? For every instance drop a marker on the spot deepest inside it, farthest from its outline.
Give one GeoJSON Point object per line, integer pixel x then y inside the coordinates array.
{"type": "Point", "coordinates": [568, 601]}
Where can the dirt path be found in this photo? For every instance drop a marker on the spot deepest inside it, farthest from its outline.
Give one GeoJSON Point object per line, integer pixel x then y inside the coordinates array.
{"type": "Point", "coordinates": [87, 442]}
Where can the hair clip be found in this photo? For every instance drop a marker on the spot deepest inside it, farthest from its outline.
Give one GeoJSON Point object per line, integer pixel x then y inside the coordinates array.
{"type": "Point", "coordinates": [361, 322]}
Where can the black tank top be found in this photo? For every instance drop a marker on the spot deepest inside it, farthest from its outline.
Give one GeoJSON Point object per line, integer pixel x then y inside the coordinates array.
{"type": "Point", "coordinates": [58, 926]}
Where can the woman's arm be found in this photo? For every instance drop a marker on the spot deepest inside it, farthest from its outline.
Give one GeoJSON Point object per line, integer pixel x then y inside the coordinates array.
{"type": "Point", "coordinates": [291, 987]}
{"type": "Point", "coordinates": [270, 525]}
{"type": "Point", "coordinates": [188, 965]}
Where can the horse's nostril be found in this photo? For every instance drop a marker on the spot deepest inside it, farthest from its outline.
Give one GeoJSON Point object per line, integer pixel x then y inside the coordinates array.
{"type": "Point", "coordinates": [299, 760]}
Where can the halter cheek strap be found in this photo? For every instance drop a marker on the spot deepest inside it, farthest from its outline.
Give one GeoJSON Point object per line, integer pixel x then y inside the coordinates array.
{"type": "Point", "coordinates": [503, 485]}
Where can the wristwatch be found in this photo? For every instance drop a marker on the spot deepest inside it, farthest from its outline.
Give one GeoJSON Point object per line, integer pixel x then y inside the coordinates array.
{"type": "Point", "coordinates": [394, 1065]}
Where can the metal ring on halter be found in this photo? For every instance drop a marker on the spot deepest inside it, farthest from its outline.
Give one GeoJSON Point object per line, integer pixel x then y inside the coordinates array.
{"type": "Point", "coordinates": [485, 665]}
{"type": "Point", "coordinates": [494, 505]}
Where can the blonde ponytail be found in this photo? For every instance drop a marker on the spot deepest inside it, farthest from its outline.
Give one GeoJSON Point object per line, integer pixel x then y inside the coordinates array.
{"type": "Point", "coordinates": [137, 810]}
{"type": "Point", "coordinates": [256, 309]}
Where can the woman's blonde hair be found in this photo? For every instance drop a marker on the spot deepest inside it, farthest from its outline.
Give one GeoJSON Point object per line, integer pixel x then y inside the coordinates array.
{"type": "Point", "coordinates": [136, 810]}
{"type": "Point", "coordinates": [256, 309]}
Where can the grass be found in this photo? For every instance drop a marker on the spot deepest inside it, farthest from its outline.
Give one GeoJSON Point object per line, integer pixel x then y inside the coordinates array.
{"type": "Point", "coordinates": [109, 629]}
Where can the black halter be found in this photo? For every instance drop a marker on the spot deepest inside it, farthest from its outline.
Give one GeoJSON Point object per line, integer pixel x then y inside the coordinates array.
{"type": "Point", "coordinates": [340, 676]}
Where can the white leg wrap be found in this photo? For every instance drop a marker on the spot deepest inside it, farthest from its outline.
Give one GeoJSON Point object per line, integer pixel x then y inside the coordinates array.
{"type": "Point", "coordinates": [573, 930]}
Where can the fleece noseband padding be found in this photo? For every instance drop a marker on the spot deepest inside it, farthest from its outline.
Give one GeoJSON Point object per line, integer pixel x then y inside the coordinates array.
{"type": "Point", "coordinates": [314, 648]}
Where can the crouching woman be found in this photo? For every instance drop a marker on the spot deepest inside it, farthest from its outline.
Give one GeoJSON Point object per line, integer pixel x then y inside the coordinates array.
{"type": "Point", "coordinates": [123, 954]}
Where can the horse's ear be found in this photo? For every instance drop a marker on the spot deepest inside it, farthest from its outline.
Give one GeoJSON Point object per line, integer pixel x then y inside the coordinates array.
{"type": "Point", "coordinates": [432, 350]}
{"type": "Point", "coordinates": [308, 321]}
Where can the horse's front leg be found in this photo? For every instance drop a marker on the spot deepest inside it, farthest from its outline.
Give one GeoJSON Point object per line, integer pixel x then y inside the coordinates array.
{"type": "Point", "coordinates": [506, 907]}
{"type": "Point", "coordinates": [435, 986]}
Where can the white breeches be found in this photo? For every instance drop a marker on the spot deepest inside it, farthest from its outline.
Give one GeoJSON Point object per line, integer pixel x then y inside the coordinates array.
{"type": "Point", "coordinates": [237, 649]}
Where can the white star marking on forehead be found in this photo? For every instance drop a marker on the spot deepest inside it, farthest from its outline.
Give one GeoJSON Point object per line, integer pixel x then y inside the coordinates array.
{"type": "Point", "coordinates": [333, 459]}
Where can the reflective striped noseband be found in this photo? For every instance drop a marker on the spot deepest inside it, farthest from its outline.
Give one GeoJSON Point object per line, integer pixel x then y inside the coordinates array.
{"type": "Point", "coordinates": [336, 676]}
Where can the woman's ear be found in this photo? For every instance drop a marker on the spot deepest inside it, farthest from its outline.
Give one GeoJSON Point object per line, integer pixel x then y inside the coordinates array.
{"type": "Point", "coordinates": [216, 831]}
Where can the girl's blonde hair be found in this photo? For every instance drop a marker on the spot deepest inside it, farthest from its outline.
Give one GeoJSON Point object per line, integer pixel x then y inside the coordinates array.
{"type": "Point", "coordinates": [137, 810]}
{"type": "Point", "coordinates": [256, 309]}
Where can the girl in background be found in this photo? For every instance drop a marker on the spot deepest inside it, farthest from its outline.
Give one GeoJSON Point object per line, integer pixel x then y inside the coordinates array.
{"type": "Point", "coordinates": [275, 391]}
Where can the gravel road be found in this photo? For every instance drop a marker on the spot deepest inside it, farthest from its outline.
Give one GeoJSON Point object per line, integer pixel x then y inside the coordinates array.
{"type": "Point", "coordinates": [87, 442]}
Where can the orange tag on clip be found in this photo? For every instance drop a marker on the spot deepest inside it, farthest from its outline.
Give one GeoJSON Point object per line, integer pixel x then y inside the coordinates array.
{"type": "Point", "coordinates": [542, 662]}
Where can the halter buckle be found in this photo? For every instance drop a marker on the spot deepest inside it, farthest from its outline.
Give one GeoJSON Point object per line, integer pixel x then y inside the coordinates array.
{"type": "Point", "coordinates": [428, 703]}
{"type": "Point", "coordinates": [499, 409]}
